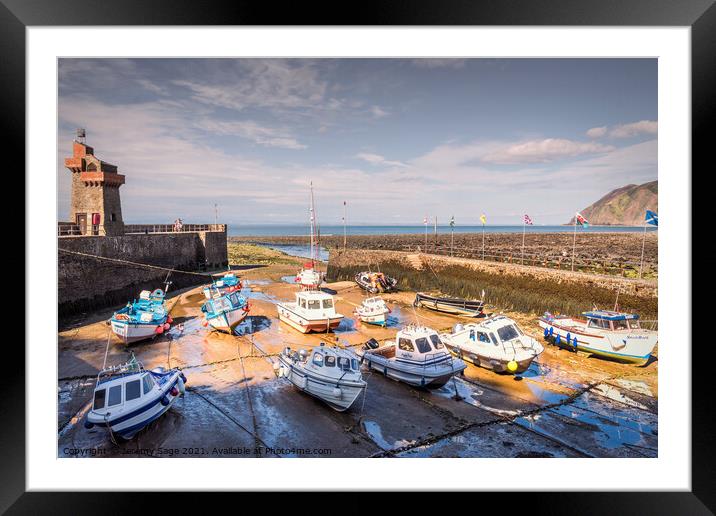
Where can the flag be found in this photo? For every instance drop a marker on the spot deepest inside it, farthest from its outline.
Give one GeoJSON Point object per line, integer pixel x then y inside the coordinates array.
{"type": "Point", "coordinates": [452, 221]}
{"type": "Point", "coordinates": [581, 220]}
{"type": "Point", "coordinates": [483, 219]}
{"type": "Point", "coordinates": [425, 220]}
{"type": "Point", "coordinates": [528, 220]}
{"type": "Point", "coordinates": [651, 218]}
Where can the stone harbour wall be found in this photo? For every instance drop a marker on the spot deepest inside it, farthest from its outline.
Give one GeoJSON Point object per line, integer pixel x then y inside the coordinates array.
{"type": "Point", "coordinates": [86, 283]}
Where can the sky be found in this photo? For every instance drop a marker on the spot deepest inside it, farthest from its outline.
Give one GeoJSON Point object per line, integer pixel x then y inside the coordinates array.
{"type": "Point", "coordinates": [397, 139]}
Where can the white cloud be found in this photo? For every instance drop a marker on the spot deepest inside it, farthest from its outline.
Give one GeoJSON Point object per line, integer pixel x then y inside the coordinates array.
{"type": "Point", "coordinates": [642, 127]}
{"type": "Point", "coordinates": [544, 151]}
{"type": "Point", "coordinates": [377, 159]}
{"type": "Point", "coordinates": [378, 112]}
{"type": "Point", "coordinates": [266, 136]}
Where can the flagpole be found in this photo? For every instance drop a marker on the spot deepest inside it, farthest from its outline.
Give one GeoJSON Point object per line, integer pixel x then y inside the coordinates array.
{"type": "Point", "coordinates": [524, 228]}
{"type": "Point", "coordinates": [435, 247]}
{"type": "Point", "coordinates": [574, 241]}
{"type": "Point", "coordinates": [452, 234]}
{"type": "Point", "coordinates": [425, 221]}
{"type": "Point", "coordinates": [344, 225]}
{"type": "Point", "coordinates": [483, 241]}
{"type": "Point", "coordinates": [643, 243]}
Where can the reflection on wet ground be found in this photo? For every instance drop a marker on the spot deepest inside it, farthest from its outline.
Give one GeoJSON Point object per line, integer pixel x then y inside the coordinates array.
{"type": "Point", "coordinates": [564, 405]}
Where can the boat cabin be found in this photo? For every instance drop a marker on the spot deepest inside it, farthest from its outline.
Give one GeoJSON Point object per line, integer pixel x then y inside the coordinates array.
{"type": "Point", "coordinates": [333, 361]}
{"type": "Point", "coordinates": [613, 321]}
{"type": "Point", "coordinates": [495, 329]}
{"type": "Point", "coordinates": [224, 303]}
{"type": "Point", "coordinates": [415, 341]}
{"type": "Point", "coordinates": [117, 390]}
{"type": "Point", "coordinates": [315, 302]}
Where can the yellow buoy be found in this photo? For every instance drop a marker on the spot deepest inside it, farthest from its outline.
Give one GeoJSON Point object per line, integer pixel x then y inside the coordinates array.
{"type": "Point", "coordinates": [512, 366]}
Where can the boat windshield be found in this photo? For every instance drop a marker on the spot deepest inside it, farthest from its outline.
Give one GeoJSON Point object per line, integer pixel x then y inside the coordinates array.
{"type": "Point", "coordinates": [344, 363]}
{"type": "Point", "coordinates": [508, 332]}
{"type": "Point", "coordinates": [634, 325]}
{"type": "Point", "coordinates": [598, 323]}
{"type": "Point", "coordinates": [327, 303]}
{"type": "Point", "coordinates": [437, 343]}
{"type": "Point", "coordinates": [423, 345]}
{"type": "Point", "coordinates": [621, 325]}
{"type": "Point", "coordinates": [314, 305]}
{"type": "Point", "coordinates": [99, 396]}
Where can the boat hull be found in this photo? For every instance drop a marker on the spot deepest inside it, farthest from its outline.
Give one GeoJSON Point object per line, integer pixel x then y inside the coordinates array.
{"type": "Point", "coordinates": [305, 325]}
{"type": "Point", "coordinates": [633, 348]}
{"type": "Point", "coordinates": [227, 321]}
{"type": "Point", "coordinates": [449, 306]}
{"type": "Point", "coordinates": [497, 365]}
{"type": "Point", "coordinates": [378, 320]}
{"type": "Point", "coordinates": [129, 332]}
{"type": "Point", "coordinates": [340, 396]}
{"type": "Point", "coordinates": [430, 374]}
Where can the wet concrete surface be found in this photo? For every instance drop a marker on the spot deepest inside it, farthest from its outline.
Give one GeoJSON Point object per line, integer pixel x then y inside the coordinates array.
{"type": "Point", "coordinates": [564, 405]}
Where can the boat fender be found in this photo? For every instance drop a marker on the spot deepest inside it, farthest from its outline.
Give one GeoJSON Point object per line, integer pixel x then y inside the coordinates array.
{"type": "Point", "coordinates": [204, 322]}
{"type": "Point", "coordinates": [174, 391]}
{"type": "Point", "coordinates": [569, 338]}
{"type": "Point", "coordinates": [166, 326]}
{"type": "Point", "coordinates": [574, 343]}
{"type": "Point", "coordinates": [183, 378]}
{"type": "Point", "coordinates": [385, 370]}
{"type": "Point", "coordinates": [276, 366]}
{"type": "Point", "coordinates": [558, 340]}
{"type": "Point", "coordinates": [159, 330]}
{"type": "Point", "coordinates": [512, 366]}
{"type": "Point", "coordinates": [551, 331]}
{"type": "Point", "coordinates": [169, 319]}
{"type": "Point", "coordinates": [165, 400]}
{"type": "Point", "coordinates": [422, 382]}
{"type": "Point", "coordinates": [337, 392]}
{"type": "Point", "coordinates": [88, 424]}
{"type": "Point", "coordinates": [546, 333]}
{"type": "Point", "coordinates": [180, 383]}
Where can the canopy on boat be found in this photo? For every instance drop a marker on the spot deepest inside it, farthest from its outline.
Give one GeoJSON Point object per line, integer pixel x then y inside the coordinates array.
{"type": "Point", "coordinates": [607, 315]}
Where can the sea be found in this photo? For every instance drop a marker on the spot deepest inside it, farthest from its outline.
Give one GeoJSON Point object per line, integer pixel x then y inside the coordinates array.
{"type": "Point", "coordinates": [298, 230]}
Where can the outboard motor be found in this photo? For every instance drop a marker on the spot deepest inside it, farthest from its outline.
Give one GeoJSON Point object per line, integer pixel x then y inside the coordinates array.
{"type": "Point", "coordinates": [457, 328]}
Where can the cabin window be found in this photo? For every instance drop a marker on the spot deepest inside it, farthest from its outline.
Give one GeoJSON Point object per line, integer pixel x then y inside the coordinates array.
{"type": "Point", "coordinates": [507, 333]}
{"type": "Point", "coordinates": [598, 323]}
{"type": "Point", "coordinates": [620, 325]}
{"type": "Point", "coordinates": [494, 340]}
{"type": "Point", "coordinates": [482, 337]}
{"type": "Point", "coordinates": [330, 361]}
{"type": "Point", "coordinates": [423, 345]}
{"type": "Point", "coordinates": [115, 395]}
{"type": "Point", "coordinates": [314, 305]}
{"type": "Point", "coordinates": [302, 302]}
{"type": "Point", "coordinates": [318, 359]}
{"type": "Point", "coordinates": [634, 325]}
{"type": "Point", "coordinates": [437, 343]}
{"type": "Point", "coordinates": [344, 363]}
{"type": "Point", "coordinates": [147, 383]}
{"type": "Point", "coordinates": [234, 299]}
{"type": "Point", "coordinates": [354, 363]}
{"type": "Point", "coordinates": [131, 390]}
{"type": "Point", "coordinates": [99, 399]}
{"type": "Point", "coordinates": [406, 345]}
{"type": "Point", "coordinates": [327, 303]}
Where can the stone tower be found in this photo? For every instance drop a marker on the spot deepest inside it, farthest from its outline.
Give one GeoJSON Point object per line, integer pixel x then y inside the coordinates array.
{"type": "Point", "coordinates": [95, 205]}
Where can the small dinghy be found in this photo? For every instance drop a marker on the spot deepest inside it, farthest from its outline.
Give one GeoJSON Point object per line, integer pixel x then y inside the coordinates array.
{"type": "Point", "coordinates": [224, 312]}
{"type": "Point", "coordinates": [313, 310]}
{"type": "Point", "coordinates": [127, 397]}
{"type": "Point", "coordinates": [229, 282]}
{"type": "Point", "coordinates": [142, 319]}
{"type": "Point", "coordinates": [417, 357]}
{"type": "Point", "coordinates": [373, 311]}
{"type": "Point", "coordinates": [608, 334]}
{"type": "Point", "coordinates": [330, 374]}
{"type": "Point", "coordinates": [450, 305]}
{"type": "Point", "coordinates": [375, 282]}
{"type": "Point", "coordinates": [496, 343]}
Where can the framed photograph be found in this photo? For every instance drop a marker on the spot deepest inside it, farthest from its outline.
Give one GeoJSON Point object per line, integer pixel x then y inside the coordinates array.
{"type": "Point", "coordinates": [423, 250]}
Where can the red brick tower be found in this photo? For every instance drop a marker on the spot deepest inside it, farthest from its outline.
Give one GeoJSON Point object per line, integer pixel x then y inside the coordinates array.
{"type": "Point", "coordinates": [95, 205]}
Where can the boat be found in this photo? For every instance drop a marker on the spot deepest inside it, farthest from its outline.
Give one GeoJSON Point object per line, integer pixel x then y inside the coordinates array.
{"type": "Point", "coordinates": [604, 333]}
{"type": "Point", "coordinates": [310, 278]}
{"type": "Point", "coordinates": [229, 282]}
{"type": "Point", "coordinates": [450, 305]}
{"type": "Point", "coordinates": [127, 397]}
{"type": "Point", "coordinates": [224, 312]}
{"type": "Point", "coordinates": [143, 318]}
{"type": "Point", "coordinates": [417, 357]}
{"type": "Point", "coordinates": [375, 282]}
{"type": "Point", "coordinates": [496, 343]}
{"type": "Point", "coordinates": [313, 311]}
{"type": "Point", "coordinates": [330, 374]}
{"type": "Point", "coordinates": [373, 310]}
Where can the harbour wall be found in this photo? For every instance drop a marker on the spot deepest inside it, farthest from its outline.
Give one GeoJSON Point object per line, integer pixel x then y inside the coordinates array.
{"type": "Point", "coordinates": [507, 286]}
{"type": "Point", "coordinates": [86, 283]}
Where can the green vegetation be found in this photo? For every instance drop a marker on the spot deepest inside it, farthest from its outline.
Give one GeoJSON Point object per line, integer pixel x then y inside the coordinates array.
{"type": "Point", "coordinates": [244, 254]}
{"type": "Point", "coordinates": [520, 293]}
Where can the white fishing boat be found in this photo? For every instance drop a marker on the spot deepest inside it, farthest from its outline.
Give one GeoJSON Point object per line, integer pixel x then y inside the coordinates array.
{"type": "Point", "coordinates": [313, 311]}
{"type": "Point", "coordinates": [224, 312]}
{"type": "Point", "coordinates": [609, 334]}
{"type": "Point", "coordinates": [142, 319]}
{"type": "Point", "coordinates": [127, 397]}
{"type": "Point", "coordinates": [373, 310]}
{"type": "Point", "coordinates": [417, 357]}
{"type": "Point", "coordinates": [330, 374]}
{"type": "Point", "coordinates": [496, 343]}
{"type": "Point", "coordinates": [310, 278]}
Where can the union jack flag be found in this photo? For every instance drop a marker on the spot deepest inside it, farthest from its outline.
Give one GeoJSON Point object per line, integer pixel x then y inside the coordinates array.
{"type": "Point", "coordinates": [528, 220]}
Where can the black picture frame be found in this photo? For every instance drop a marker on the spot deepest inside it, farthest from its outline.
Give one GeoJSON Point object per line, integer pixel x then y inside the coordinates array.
{"type": "Point", "coordinates": [700, 15]}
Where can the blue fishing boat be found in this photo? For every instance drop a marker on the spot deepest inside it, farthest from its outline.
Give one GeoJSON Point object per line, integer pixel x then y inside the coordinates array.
{"type": "Point", "coordinates": [224, 312]}
{"type": "Point", "coordinates": [143, 318]}
{"type": "Point", "coordinates": [229, 282]}
{"type": "Point", "coordinates": [127, 397]}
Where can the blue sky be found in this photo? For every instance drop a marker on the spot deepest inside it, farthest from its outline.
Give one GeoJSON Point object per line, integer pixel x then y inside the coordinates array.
{"type": "Point", "coordinates": [397, 139]}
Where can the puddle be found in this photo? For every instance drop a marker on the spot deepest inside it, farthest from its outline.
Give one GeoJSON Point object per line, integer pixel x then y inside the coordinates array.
{"type": "Point", "coordinates": [289, 279]}
{"type": "Point", "coordinates": [253, 324]}
{"type": "Point", "coordinates": [376, 434]}
{"type": "Point", "coordinates": [638, 387]}
{"type": "Point", "coordinates": [257, 294]}
{"type": "Point", "coordinates": [249, 282]}
{"type": "Point", "coordinates": [549, 397]}
{"type": "Point", "coordinates": [615, 394]}
{"type": "Point", "coordinates": [469, 394]}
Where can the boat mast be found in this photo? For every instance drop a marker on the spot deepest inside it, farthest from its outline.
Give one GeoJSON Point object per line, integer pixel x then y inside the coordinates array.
{"type": "Point", "coordinates": [313, 225]}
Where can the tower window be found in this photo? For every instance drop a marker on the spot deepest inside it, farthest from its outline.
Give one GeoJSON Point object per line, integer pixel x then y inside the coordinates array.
{"type": "Point", "coordinates": [113, 217]}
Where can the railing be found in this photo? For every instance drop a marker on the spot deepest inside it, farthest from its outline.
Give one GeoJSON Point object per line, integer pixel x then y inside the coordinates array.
{"type": "Point", "coordinates": [171, 228]}
{"type": "Point", "coordinates": [65, 229]}
{"type": "Point", "coordinates": [581, 264]}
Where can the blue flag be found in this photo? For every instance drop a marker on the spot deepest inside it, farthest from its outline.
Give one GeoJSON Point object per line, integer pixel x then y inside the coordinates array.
{"type": "Point", "coordinates": [651, 218]}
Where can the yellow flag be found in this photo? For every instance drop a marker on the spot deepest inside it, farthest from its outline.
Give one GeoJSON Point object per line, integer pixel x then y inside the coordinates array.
{"type": "Point", "coordinates": [483, 219]}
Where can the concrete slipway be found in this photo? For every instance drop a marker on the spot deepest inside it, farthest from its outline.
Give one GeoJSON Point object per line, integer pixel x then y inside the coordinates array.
{"type": "Point", "coordinates": [566, 405]}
